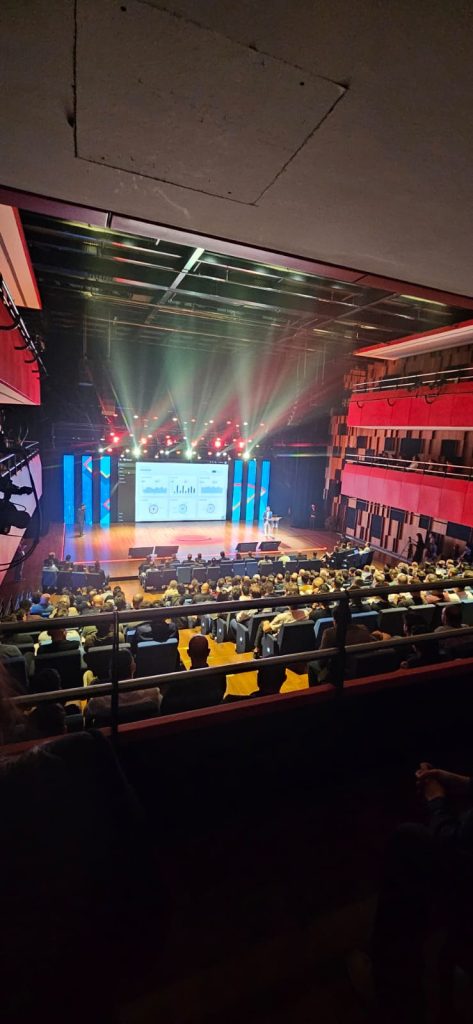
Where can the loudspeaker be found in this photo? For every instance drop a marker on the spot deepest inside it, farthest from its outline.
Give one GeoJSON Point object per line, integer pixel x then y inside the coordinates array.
{"type": "Point", "coordinates": [269, 545]}
{"type": "Point", "coordinates": [245, 545]}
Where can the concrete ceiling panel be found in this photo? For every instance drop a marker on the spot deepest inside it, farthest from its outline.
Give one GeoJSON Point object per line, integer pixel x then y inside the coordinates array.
{"type": "Point", "coordinates": [200, 110]}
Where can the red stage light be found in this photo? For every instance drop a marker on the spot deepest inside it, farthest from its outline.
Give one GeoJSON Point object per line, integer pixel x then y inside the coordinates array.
{"type": "Point", "coordinates": [241, 445]}
{"type": "Point", "coordinates": [217, 443]}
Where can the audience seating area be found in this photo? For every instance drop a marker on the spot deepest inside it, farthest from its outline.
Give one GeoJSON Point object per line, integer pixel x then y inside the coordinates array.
{"type": "Point", "coordinates": [378, 599]}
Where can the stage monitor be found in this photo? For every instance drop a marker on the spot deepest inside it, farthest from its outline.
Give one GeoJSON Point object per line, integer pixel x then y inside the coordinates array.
{"type": "Point", "coordinates": [166, 550]}
{"type": "Point", "coordinates": [156, 492]}
{"type": "Point", "coordinates": [269, 545]}
{"type": "Point", "coordinates": [140, 552]}
{"type": "Point", "coordinates": [244, 545]}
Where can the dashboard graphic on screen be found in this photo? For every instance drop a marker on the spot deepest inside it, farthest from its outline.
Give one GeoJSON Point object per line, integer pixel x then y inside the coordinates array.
{"type": "Point", "coordinates": [174, 491]}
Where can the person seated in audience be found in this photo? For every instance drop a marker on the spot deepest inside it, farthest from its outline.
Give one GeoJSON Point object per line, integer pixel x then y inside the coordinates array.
{"type": "Point", "coordinates": [199, 560]}
{"type": "Point", "coordinates": [431, 596]}
{"type": "Point", "coordinates": [423, 652]}
{"type": "Point", "coordinates": [293, 614]}
{"type": "Point", "coordinates": [191, 694]}
{"type": "Point", "coordinates": [270, 680]}
{"type": "Point", "coordinates": [59, 643]}
{"type": "Point", "coordinates": [265, 560]}
{"type": "Point", "coordinates": [18, 638]}
{"type": "Point", "coordinates": [130, 702]}
{"type": "Point", "coordinates": [49, 719]}
{"type": "Point", "coordinates": [41, 606]}
{"type": "Point", "coordinates": [159, 630]}
{"type": "Point", "coordinates": [452, 619]}
{"type": "Point", "coordinates": [100, 635]}
{"type": "Point", "coordinates": [7, 648]}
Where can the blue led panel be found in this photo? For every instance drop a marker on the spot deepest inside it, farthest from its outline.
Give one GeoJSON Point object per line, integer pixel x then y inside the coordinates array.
{"type": "Point", "coordinates": [87, 488]}
{"type": "Point", "coordinates": [68, 489]}
{"type": "Point", "coordinates": [105, 469]}
{"type": "Point", "coordinates": [264, 488]}
{"type": "Point", "coordinates": [250, 492]}
{"type": "Point", "coordinates": [236, 495]}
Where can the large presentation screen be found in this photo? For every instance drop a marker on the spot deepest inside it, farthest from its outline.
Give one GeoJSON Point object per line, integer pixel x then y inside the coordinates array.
{"type": "Point", "coordinates": [172, 492]}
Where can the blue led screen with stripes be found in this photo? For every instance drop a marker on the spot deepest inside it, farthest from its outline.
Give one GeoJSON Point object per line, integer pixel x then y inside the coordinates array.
{"type": "Point", "coordinates": [250, 492]}
{"type": "Point", "coordinates": [105, 469]}
{"type": "Point", "coordinates": [236, 495]}
{"type": "Point", "coordinates": [68, 489]}
{"type": "Point", "coordinates": [264, 488]}
{"type": "Point", "coordinates": [87, 488]}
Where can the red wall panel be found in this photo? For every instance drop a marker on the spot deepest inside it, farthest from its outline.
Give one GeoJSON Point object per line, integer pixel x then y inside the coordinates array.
{"type": "Point", "coordinates": [20, 384]}
{"type": "Point", "coordinates": [453, 408]}
{"type": "Point", "coordinates": [450, 500]}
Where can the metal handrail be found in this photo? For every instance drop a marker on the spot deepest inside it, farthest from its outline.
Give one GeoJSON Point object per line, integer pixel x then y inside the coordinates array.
{"type": "Point", "coordinates": [343, 597]}
{"type": "Point", "coordinates": [410, 381]}
{"type": "Point", "coordinates": [433, 468]}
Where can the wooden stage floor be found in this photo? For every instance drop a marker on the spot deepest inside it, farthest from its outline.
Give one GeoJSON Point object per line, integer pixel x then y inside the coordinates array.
{"type": "Point", "coordinates": [110, 546]}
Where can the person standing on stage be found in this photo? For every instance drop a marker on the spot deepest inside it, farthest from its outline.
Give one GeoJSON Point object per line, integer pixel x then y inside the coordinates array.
{"type": "Point", "coordinates": [419, 548]}
{"type": "Point", "coordinates": [81, 519]}
{"type": "Point", "coordinates": [312, 516]}
{"type": "Point", "coordinates": [268, 515]}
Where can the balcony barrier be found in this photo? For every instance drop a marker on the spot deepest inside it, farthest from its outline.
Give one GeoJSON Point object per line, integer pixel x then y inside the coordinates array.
{"type": "Point", "coordinates": [338, 653]}
{"type": "Point", "coordinates": [411, 381]}
{"type": "Point", "coordinates": [427, 468]}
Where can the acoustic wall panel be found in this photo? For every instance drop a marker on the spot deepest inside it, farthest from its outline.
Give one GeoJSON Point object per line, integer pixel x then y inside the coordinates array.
{"type": "Point", "coordinates": [250, 492]}
{"type": "Point", "coordinates": [105, 472]}
{"type": "Point", "coordinates": [264, 488]}
{"type": "Point", "coordinates": [87, 488]}
{"type": "Point", "coordinates": [68, 489]}
{"type": "Point", "coordinates": [237, 485]}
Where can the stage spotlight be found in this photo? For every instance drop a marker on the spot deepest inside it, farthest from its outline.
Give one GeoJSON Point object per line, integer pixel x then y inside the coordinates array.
{"type": "Point", "coordinates": [109, 450]}
{"type": "Point", "coordinates": [137, 451]}
{"type": "Point", "coordinates": [161, 451]}
{"type": "Point", "coordinates": [100, 451]}
{"type": "Point", "coordinates": [218, 454]}
{"type": "Point", "coordinates": [217, 443]}
{"type": "Point", "coordinates": [246, 455]}
{"type": "Point", "coordinates": [127, 451]}
{"type": "Point", "coordinates": [116, 440]}
{"type": "Point", "coordinates": [135, 417]}
{"type": "Point", "coordinates": [189, 453]}
{"type": "Point", "coordinates": [211, 421]}
{"type": "Point", "coordinates": [245, 423]}
{"type": "Point", "coordinates": [241, 445]}
{"type": "Point", "coordinates": [166, 453]}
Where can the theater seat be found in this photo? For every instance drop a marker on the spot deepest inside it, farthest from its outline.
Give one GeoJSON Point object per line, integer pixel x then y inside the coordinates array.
{"type": "Point", "coordinates": [153, 658]}
{"type": "Point", "coordinates": [426, 612]}
{"type": "Point", "coordinates": [391, 620]}
{"type": "Point", "coordinates": [206, 625]}
{"type": "Point", "coordinates": [291, 639]}
{"type": "Point", "coordinates": [67, 663]}
{"type": "Point", "coordinates": [319, 629]}
{"type": "Point", "coordinates": [467, 612]}
{"type": "Point", "coordinates": [16, 668]}
{"type": "Point", "coordinates": [372, 664]}
{"type": "Point", "coordinates": [98, 659]}
{"type": "Point", "coordinates": [368, 619]}
{"type": "Point", "coordinates": [246, 631]}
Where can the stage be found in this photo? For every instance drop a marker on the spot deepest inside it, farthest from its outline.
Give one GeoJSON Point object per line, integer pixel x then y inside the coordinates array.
{"type": "Point", "coordinates": [110, 546]}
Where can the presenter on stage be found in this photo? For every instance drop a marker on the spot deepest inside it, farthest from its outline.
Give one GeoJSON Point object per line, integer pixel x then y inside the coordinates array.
{"type": "Point", "coordinates": [267, 520]}
{"type": "Point", "coordinates": [80, 518]}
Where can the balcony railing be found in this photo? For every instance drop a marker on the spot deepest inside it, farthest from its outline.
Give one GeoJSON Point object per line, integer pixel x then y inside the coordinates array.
{"type": "Point", "coordinates": [412, 381]}
{"type": "Point", "coordinates": [428, 468]}
{"type": "Point", "coordinates": [339, 653]}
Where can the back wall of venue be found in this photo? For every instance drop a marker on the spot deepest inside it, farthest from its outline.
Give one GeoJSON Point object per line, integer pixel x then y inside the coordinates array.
{"type": "Point", "coordinates": [401, 453]}
{"type": "Point", "coordinates": [290, 478]}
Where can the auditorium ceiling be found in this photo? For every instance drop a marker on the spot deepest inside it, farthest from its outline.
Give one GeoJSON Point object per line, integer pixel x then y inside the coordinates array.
{"type": "Point", "coordinates": [112, 296]}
